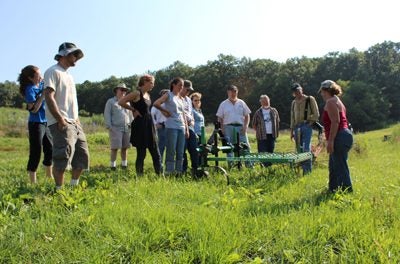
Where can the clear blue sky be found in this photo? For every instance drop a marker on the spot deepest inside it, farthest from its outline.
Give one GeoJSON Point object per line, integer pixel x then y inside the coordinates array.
{"type": "Point", "coordinates": [126, 37]}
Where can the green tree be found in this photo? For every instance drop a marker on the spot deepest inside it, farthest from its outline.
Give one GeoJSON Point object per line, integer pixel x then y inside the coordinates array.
{"type": "Point", "coordinates": [366, 106]}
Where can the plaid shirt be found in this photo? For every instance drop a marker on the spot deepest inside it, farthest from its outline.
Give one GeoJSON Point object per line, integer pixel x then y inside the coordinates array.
{"type": "Point", "coordinates": [259, 124]}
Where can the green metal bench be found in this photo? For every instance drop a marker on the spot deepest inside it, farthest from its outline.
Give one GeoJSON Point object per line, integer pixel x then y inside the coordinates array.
{"type": "Point", "coordinates": [210, 153]}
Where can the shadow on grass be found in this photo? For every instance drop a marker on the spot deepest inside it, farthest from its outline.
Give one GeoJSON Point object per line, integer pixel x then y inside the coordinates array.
{"type": "Point", "coordinates": [270, 178]}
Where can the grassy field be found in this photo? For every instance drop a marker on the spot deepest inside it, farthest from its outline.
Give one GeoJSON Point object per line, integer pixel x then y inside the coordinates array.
{"type": "Point", "coordinates": [264, 216]}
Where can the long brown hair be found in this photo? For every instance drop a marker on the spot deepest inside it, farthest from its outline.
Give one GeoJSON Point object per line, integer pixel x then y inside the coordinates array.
{"type": "Point", "coordinates": [24, 77]}
{"type": "Point", "coordinates": [174, 81]}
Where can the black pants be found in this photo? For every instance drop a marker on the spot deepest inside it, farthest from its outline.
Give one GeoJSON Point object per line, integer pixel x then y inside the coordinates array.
{"type": "Point", "coordinates": [141, 155]}
{"type": "Point", "coordinates": [39, 136]}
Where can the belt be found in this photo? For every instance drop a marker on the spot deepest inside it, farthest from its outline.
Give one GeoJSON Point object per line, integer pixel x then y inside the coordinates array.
{"type": "Point", "coordinates": [234, 124]}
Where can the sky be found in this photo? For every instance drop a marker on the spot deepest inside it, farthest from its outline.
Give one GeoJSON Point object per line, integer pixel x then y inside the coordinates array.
{"type": "Point", "coordinates": [125, 37]}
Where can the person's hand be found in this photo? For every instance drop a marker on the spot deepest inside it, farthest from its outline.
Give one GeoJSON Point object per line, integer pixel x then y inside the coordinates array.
{"type": "Point", "coordinates": [187, 133]}
{"type": "Point", "coordinates": [291, 136]}
{"type": "Point", "coordinates": [166, 113]}
{"type": "Point", "coordinates": [329, 147]}
{"type": "Point", "coordinates": [62, 125]}
{"type": "Point", "coordinates": [136, 113]}
{"type": "Point", "coordinates": [243, 130]}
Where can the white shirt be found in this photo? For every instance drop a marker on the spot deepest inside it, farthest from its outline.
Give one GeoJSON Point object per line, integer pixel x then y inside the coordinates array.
{"type": "Point", "coordinates": [188, 109]}
{"type": "Point", "coordinates": [158, 117]}
{"type": "Point", "coordinates": [58, 79]}
{"type": "Point", "coordinates": [233, 113]}
{"type": "Point", "coordinates": [267, 120]}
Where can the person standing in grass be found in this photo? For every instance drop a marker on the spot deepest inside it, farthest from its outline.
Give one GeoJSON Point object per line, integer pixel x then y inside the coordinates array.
{"type": "Point", "coordinates": [143, 133]}
{"type": "Point", "coordinates": [177, 129]}
{"type": "Point", "coordinates": [118, 121]}
{"type": "Point", "coordinates": [31, 88]}
{"type": "Point", "coordinates": [303, 114]}
{"type": "Point", "coordinates": [338, 135]}
{"type": "Point", "coordinates": [234, 116]}
{"type": "Point", "coordinates": [159, 122]}
{"type": "Point", "coordinates": [69, 141]}
{"type": "Point", "coordinates": [197, 113]}
{"type": "Point", "coordinates": [266, 124]}
{"type": "Point", "coordinates": [191, 140]}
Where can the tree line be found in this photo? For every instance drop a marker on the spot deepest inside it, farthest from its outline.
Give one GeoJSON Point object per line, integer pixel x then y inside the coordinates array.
{"type": "Point", "coordinates": [370, 80]}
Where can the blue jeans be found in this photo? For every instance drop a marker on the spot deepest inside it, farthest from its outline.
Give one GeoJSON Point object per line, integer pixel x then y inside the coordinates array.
{"type": "Point", "coordinates": [191, 145]}
{"type": "Point", "coordinates": [175, 148]}
{"type": "Point", "coordinates": [162, 140]}
{"type": "Point", "coordinates": [305, 143]}
{"type": "Point", "coordinates": [230, 136]}
{"type": "Point", "coordinates": [266, 145]}
{"type": "Point", "coordinates": [339, 173]}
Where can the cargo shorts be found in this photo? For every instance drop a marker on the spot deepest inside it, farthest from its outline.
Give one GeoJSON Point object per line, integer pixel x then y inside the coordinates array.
{"type": "Point", "coordinates": [69, 147]}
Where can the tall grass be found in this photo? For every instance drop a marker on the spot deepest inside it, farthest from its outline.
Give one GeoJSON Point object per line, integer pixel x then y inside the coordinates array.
{"type": "Point", "coordinates": [264, 216]}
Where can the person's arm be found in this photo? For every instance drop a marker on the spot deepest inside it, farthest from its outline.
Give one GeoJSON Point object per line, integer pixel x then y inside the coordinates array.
{"type": "Point", "coordinates": [333, 112]}
{"type": "Point", "coordinates": [246, 123]}
{"type": "Point", "coordinates": [185, 119]}
{"type": "Point", "coordinates": [107, 114]}
{"type": "Point", "coordinates": [254, 121]}
{"type": "Point", "coordinates": [314, 109]}
{"type": "Point", "coordinates": [246, 120]}
{"type": "Point", "coordinates": [292, 121]}
{"type": "Point", "coordinates": [124, 102]}
{"type": "Point", "coordinates": [35, 106]}
{"type": "Point", "coordinates": [158, 104]}
{"type": "Point", "coordinates": [49, 94]}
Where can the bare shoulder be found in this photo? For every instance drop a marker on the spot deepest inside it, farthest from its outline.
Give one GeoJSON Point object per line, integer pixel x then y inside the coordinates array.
{"type": "Point", "coordinates": [133, 96]}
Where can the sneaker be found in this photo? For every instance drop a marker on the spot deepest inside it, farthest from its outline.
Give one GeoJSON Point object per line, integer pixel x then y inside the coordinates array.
{"type": "Point", "coordinates": [124, 167]}
{"type": "Point", "coordinates": [113, 168]}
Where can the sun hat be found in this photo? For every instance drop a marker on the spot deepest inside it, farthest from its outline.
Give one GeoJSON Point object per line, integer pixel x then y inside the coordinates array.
{"type": "Point", "coordinates": [67, 48]}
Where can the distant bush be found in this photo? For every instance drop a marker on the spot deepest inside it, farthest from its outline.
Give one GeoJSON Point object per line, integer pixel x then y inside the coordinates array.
{"type": "Point", "coordinates": [360, 147]}
{"type": "Point", "coordinates": [395, 137]}
{"type": "Point", "coordinates": [98, 139]}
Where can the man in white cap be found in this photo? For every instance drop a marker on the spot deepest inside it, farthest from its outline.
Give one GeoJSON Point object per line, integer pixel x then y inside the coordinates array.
{"type": "Point", "coordinates": [118, 121]}
{"type": "Point", "coordinates": [69, 141]}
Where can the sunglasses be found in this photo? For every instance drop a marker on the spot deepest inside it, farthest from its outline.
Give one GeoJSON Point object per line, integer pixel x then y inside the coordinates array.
{"type": "Point", "coordinates": [196, 100]}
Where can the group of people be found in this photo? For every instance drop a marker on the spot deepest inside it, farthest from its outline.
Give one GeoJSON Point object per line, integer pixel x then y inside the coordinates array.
{"type": "Point", "coordinates": [172, 124]}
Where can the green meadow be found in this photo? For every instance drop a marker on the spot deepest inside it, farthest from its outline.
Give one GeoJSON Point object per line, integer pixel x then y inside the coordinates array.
{"type": "Point", "coordinates": [265, 215]}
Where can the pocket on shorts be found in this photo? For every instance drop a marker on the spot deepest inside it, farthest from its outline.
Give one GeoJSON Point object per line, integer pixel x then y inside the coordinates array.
{"type": "Point", "coordinates": [61, 152]}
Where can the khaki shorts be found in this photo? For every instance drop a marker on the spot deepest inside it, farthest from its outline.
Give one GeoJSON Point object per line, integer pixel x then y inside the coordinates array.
{"type": "Point", "coordinates": [69, 147]}
{"type": "Point", "coordinates": [119, 139]}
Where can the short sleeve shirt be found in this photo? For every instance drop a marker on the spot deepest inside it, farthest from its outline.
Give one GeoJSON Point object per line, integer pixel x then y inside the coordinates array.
{"type": "Point", "coordinates": [233, 113]}
{"type": "Point", "coordinates": [32, 93]}
{"type": "Point", "coordinates": [59, 79]}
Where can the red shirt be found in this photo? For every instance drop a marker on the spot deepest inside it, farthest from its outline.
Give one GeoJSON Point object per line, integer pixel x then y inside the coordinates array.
{"type": "Point", "coordinates": [327, 122]}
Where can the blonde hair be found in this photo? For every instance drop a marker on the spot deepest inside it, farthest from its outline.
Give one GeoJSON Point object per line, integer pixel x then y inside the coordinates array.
{"type": "Point", "coordinates": [145, 78]}
{"type": "Point", "coordinates": [331, 87]}
{"type": "Point", "coordinates": [196, 94]}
